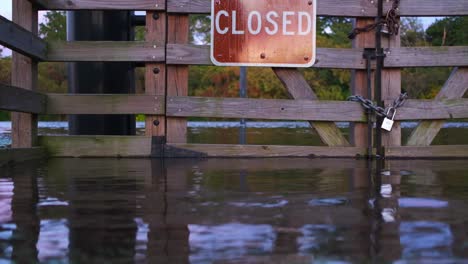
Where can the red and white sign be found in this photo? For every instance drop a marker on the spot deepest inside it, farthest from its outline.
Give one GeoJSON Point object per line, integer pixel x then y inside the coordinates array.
{"type": "Point", "coordinates": [269, 33]}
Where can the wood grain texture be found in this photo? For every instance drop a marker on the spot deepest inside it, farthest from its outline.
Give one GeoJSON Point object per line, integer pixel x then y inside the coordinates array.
{"type": "Point", "coordinates": [189, 54]}
{"type": "Point", "coordinates": [177, 76]}
{"type": "Point", "coordinates": [20, 40]}
{"type": "Point", "coordinates": [426, 57]}
{"type": "Point", "coordinates": [133, 51]}
{"type": "Point", "coordinates": [105, 104]}
{"type": "Point", "coordinates": [433, 109]}
{"type": "Point", "coordinates": [21, 100]}
{"type": "Point", "coordinates": [100, 4]}
{"type": "Point", "coordinates": [414, 152]}
{"type": "Point", "coordinates": [358, 134]}
{"type": "Point", "coordinates": [245, 151]}
{"type": "Point", "coordinates": [16, 155]}
{"type": "Point", "coordinates": [455, 87]}
{"type": "Point", "coordinates": [24, 75]}
{"type": "Point", "coordinates": [348, 8]}
{"type": "Point", "coordinates": [326, 57]}
{"type": "Point", "coordinates": [298, 88]}
{"type": "Point", "coordinates": [179, 106]}
{"type": "Point", "coordinates": [97, 146]}
{"type": "Point", "coordinates": [155, 73]}
{"type": "Point", "coordinates": [391, 89]}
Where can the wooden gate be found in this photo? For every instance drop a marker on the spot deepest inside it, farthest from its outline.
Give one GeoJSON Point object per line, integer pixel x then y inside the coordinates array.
{"type": "Point", "coordinates": [167, 55]}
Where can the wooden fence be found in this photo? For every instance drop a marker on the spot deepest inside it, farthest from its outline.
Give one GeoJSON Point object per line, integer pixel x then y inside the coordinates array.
{"type": "Point", "coordinates": [168, 50]}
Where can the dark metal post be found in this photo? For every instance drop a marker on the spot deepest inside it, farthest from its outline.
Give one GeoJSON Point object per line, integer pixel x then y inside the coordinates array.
{"type": "Point", "coordinates": [101, 77]}
{"type": "Point", "coordinates": [243, 94]}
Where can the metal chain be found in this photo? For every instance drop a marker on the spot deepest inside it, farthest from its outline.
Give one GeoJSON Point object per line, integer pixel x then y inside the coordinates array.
{"type": "Point", "coordinates": [380, 111]}
{"type": "Point", "coordinates": [389, 24]}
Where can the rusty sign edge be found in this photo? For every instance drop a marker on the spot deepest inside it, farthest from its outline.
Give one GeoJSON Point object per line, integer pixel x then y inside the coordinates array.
{"type": "Point", "coordinates": [279, 65]}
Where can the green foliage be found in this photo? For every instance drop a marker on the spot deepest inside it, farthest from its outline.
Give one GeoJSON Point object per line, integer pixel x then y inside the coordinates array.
{"type": "Point", "coordinates": [450, 31]}
{"type": "Point", "coordinates": [200, 28]}
{"type": "Point", "coordinates": [55, 26]}
{"type": "Point", "coordinates": [4, 116]}
{"type": "Point", "coordinates": [412, 32]}
{"type": "Point", "coordinates": [424, 83]}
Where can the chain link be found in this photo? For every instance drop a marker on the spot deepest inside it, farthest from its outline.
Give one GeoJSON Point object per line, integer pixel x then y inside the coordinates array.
{"type": "Point", "coordinates": [389, 24]}
{"type": "Point", "coordinates": [380, 111]}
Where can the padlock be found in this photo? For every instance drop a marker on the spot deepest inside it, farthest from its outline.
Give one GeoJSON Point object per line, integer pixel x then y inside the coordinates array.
{"type": "Point", "coordinates": [387, 123]}
{"type": "Point", "coordinates": [385, 30]}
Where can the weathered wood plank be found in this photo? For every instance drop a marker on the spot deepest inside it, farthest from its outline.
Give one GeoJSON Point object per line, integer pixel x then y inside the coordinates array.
{"type": "Point", "coordinates": [414, 152]}
{"type": "Point", "coordinates": [24, 75]}
{"type": "Point", "coordinates": [358, 133]}
{"type": "Point", "coordinates": [155, 73]}
{"type": "Point", "coordinates": [391, 89]}
{"type": "Point", "coordinates": [20, 40]}
{"type": "Point", "coordinates": [347, 8]}
{"type": "Point", "coordinates": [134, 51]}
{"type": "Point", "coordinates": [342, 58]}
{"type": "Point", "coordinates": [15, 155]}
{"type": "Point", "coordinates": [298, 88]}
{"type": "Point", "coordinates": [105, 104]}
{"type": "Point", "coordinates": [433, 109]}
{"type": "Point", "coordinates": [21, 100]}
{"type": "Point", "coordinates": [177, 76]}
{"type": "Point", "coordinates": [326, 58]}
{"type": "Point", "coordinates": [97, 146]}
{"type": "Point", "coordinates": [455, 87]}
{"type": "Point", "coordinates": [100, 4]}
{"type": "Point", "coordinates": [244, 151]}
{"type": "Point", "coordinates": [426, 57]}
{"type": "Point", "coordinates": [179, 106]}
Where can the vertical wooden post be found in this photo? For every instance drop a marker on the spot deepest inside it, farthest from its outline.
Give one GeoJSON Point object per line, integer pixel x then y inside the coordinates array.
{"type": "Point", "coordinates": [155, 73]}
{"type": "Point", "coordinates": [391, 89]}
{"type": "Point", "coordinates": [358, 131]}
{"type": "Point", "coordinates": [24, 75]}
{"type": "Point", "coordinates": [177, 76]}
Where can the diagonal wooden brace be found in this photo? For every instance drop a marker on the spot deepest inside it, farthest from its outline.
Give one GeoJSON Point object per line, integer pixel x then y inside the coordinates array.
{"type": "Point", "coordinates": [455, 87]}
{"type": "Point", "coordinates": [298, 88]}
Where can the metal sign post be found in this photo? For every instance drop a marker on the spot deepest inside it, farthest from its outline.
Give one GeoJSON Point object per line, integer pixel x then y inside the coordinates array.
{"type": "Point", "coordinates": [268, 33]}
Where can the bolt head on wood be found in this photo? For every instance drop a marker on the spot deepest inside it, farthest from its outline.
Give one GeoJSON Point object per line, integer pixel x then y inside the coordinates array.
{"type": "Point", "coordinates": [156, 70]}
{"type": "Point", "coordinates": [156, 122]}
{"type": "Point", "coordinates": [155, 16]}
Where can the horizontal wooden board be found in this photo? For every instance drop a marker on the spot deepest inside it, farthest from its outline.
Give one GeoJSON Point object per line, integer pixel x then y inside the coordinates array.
{"type": "Point", "coordinates": [137, 146]}
{"type": "Point", "coordinates": [430, 109]}
{"type": "Point", "coordinates": [326, 58]}
{"type": "Point", "coordinates": [414, 152]}
{"type": "Point", "coordinates": [180, 106]}
{"type": "Point", "coordinates": [21, 100]}
{"type": "Point", "coordinates": [15, 155]}
{"type": "Point", "coordinates": [100, 4]}
{"type": "Point", "coordinates": [108, 104]}
{"type": "Point", "coordinates": [348, 8]}
{"type": "Point", "coordinates": [137, 51]}
{"type": "Point", "coordinates": [426, 56]}
{"type": "Point", "coordinates": [20, 40]}
{"type": "Point", "coordinates": [261, 151]}
{"type": "Point", "coordinates": [97, 146]}
{"type": "Point", "coordinates": [342, 58]}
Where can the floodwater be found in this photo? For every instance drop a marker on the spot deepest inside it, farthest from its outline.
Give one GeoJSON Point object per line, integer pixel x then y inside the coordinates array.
{"type": "Point", "coordinates": [233, 211]}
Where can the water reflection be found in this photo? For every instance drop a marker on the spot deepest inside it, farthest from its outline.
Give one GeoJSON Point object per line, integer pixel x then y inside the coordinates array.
{"type": "Point", "coordinates": [235, 211]}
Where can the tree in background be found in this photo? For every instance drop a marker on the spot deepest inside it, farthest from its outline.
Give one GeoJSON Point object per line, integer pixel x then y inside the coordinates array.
{"type": "Point", "coordinates": [450, 31]}
{"type": "Point", "coordinates": [54, 27]}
